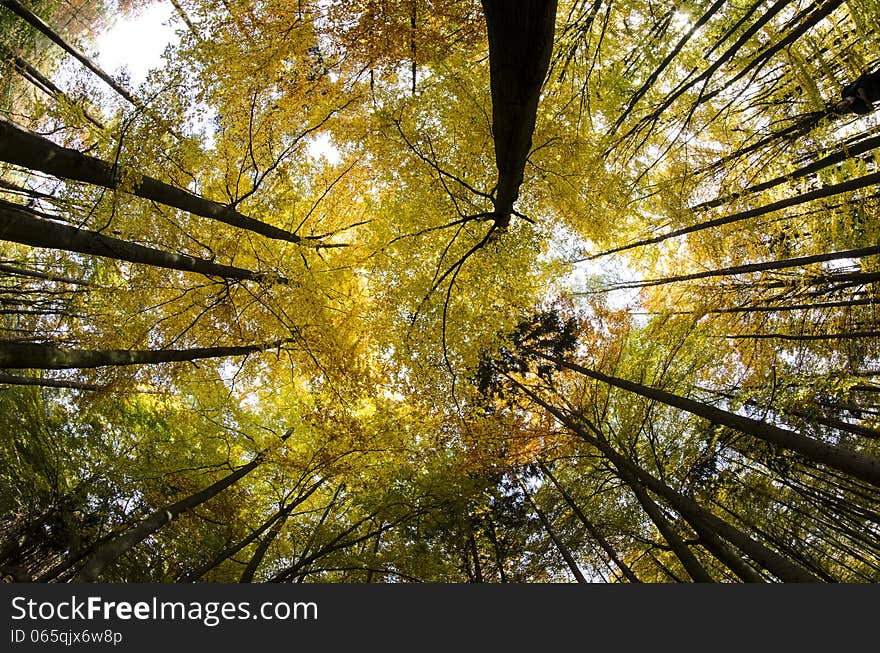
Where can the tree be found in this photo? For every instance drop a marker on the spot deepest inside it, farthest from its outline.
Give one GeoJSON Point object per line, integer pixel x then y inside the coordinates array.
{"type": "Point", "coordinates": [531, 291]}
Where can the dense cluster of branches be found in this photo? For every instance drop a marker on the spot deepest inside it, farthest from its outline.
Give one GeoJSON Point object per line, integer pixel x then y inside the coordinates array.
{"type": "Point", "coordinates": [264, 387]}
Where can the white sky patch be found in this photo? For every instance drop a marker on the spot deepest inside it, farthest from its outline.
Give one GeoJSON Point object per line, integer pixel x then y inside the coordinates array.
{"type": "Point", "coordinates": [136, 42]}
{"type": "Point", "coordinates": [586, 276]}
{"type": "Point", "coordinates": [322, 147]}
{"type": "Point", "coordinates": [614, 271]}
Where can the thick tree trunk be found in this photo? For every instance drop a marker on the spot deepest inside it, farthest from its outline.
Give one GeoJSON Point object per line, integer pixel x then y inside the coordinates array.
{"type": "Point", "coordinates": [520, 44]}
{"type": "Point", "coordinates": [19, 225]}
{"type": "Point", "coordinates": [34, 152]}
{"type": "Point", "coordinates": [46, 357]}
{"type": "Point", "coordinates": [838, 457]}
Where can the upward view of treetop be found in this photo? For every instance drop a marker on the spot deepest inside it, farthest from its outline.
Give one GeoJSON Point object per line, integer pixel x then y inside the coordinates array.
{"type": "Point", "coordinates": [441, 291]}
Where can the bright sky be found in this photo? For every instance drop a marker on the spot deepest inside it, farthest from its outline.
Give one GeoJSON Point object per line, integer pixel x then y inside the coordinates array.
{"type": "Point", "coordinates": [137, 42]}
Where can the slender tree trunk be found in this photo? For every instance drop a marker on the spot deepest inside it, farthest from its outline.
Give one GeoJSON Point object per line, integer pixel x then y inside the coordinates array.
{"type": "Point", "coordinates": [40, 25]}
{"type": "Point", "coordinates": [19, 225]}
{"type": "Point", "coordinates": [804, 337]}
{"type": "Point", "coordinates": [723, 552]}
{"type": "Point", "coordinates": [412, 44]}
{"type": "Point", "coordinates": [749, 268]}
{"type": "Point", "coordinates": [842, 458]}
{"type": "Point", "coordinates": [186, 19]}
{"type": "Point", "coordinates": [9, 379]}
{"type": "Point", "coordinates": [247, 576]}
{"type": "Point", "coordinates": [34, 152]}
{"type": "Point", "coordinates": [594, 532]}
{"type": "Point", "coordinates": [828, 191]}
{"type": "Point", "coordinates": [299, 569]}
{"type": "Point", "coordinates": [707, 74]}
{"type": "Point", "coordinates": [475, 552]}
{"type": "Point", "coordinates": [282, 513]}
{"type": "Point", "coordinates": [29, 356]}
{"type": "Point", "coordinates": [46, 85]}
{"type": "Point", "coordinates": [824, 420]}
{"type": "Point", "coordinates": [848, 303]}
{"type": "Point", "coordinates": [376, 544]}
{"type": "Point", "coordinates": [690, 563]}
{"type": "Point", "coordinates": [560, 545]}
{"type": "Point", "coordinates": [849, 152]}
{"type": "Point", "coordinates": [116, 547]}
{"type": "Point", "coordinates": [36, 274]}
{"type": "Point", "coordinates": [655, 74]}
{"type": "Point", "coordinates": [688, 508]}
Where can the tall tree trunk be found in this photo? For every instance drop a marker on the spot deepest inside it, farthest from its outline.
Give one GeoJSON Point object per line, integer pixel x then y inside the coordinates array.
{"type": "Point", "coordinates": [591, 528]}
{"type": "Point", "coordinates": [40, 25]}
{"type": "Point", "coordinates": [36, 274]}
{"type": "Point", "coordinates": [824, 420]}
{"type": "Point", "coordinates": [46, 85]}
{"type": "Point", "coordinates": [475, 552]}
{"type": "Point", "coordinates": [679, 547]}
{"type": "Point", "coordinates": [116, 547]}
{"type": "Point", "coordinates": [247, 576]}
{"type": "Point", "coordinates": [520, 45]}
{"type": "Point", "coordinates": [9, 379]}
{"type": "Point", "coordinates": [804, 337]}
{"type": "Point", "coordinates": [186, 19]}
{"type": "Point", "coordinates": [46, 357]}
{"type": "Point", "coordinates": [282, 513]}
{"type": "Point", "coordinates": [846, 460]}
{"type": "Point", "coordinates": [693, 512]}
{"type": "Point", "coordinates": [560, 545]}
{"type": "Point", "coordinates": [828, 191]}
{"type": "Point", "coordinates": [34, 152]}
{"type": "Point", "coordinates": [848, 152]}
{"type": "Point", "coordinates": [749, 268]}
{"type": "Point", "coordinates": [19, 225]}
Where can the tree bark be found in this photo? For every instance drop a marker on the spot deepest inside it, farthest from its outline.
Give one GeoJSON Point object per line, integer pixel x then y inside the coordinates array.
{"type": "Point", "coordinates": [34, 152]}
{"type": "Point", "coordinates": [520, 44]}
{"type": "Point", "coordinates": [19, 225]}
{"type": "Point", "coordinates": [116, 547]}
{"type": "Point", "coordinates": [46, 357]}
{"type": "Point", "coordinates": [846, 460]}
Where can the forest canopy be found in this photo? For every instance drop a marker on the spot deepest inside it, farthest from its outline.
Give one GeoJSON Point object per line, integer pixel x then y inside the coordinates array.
{"type": "Point", "coordinates": [442, 291]}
